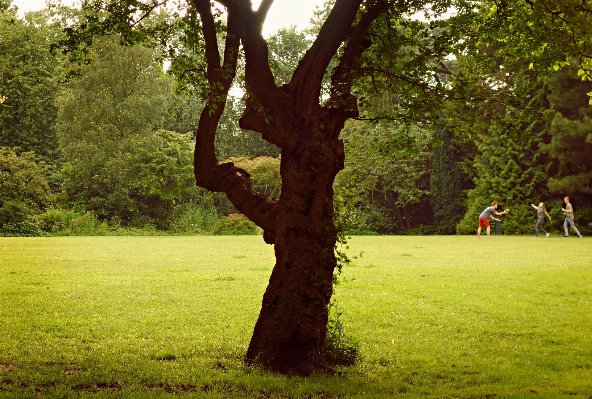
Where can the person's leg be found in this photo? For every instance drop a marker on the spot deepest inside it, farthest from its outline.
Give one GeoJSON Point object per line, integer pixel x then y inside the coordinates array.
{"type": "Point", "coordinates": [537, 228]}
{"type": "Point", "coordinates": [573, 226]}
{"type": "Point", "coordinates": [544, 231]}
{"type": "Point", "coordinates": [479, 232]}
{"type": "Point", "coordinates": [488, 232]}
{"type": "Point", "coordinates": [565, 222]}
{"type": "Point", "coordinates": [541, 228]}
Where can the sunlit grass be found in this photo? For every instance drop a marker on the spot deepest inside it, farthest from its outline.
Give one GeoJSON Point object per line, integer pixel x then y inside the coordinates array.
{"type": "Point", "coordinates": [439, 317]}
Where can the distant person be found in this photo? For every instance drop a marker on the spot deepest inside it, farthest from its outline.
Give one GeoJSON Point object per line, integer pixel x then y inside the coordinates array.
{"type": "Point", "coordinates": [484, 218]}
{"type": "Point", "coordinates": [541, 212]}
{"type": "Point", "coordinates": [569, 218]}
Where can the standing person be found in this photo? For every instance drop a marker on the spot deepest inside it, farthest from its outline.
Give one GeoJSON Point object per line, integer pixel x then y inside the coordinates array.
{"type": "Point", "coordinates": [541, 212]}
{"type": "Point", "coordinates": [484, 218]}
{"type": "Point", "coordinates": [569, 218]}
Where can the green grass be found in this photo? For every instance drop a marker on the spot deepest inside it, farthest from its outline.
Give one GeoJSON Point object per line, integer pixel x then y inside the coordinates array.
{"type": "Point", "coordinates": [436, 317]}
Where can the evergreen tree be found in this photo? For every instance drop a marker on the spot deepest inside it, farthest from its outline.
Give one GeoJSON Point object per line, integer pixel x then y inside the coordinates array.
{"type": "Point", "coordinates": [571, 135]}
{"type": "Point", "coordinates": [511, 169]}
{"type": "Point", "coordinates": [447, 182]}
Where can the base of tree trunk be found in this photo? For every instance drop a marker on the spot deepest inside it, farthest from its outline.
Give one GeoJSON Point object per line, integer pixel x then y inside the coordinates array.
{"type": "Point", "coordinates": [313, 363]}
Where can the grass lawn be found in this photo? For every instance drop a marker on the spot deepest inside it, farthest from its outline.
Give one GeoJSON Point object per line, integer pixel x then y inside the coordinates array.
{"type": "Point", "coordinates": [436, 317]}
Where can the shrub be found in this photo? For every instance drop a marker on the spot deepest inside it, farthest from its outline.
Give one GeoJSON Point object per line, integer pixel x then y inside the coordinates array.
{"type": "Point", "coordinates": [236, 224]}
{"type": "Point", "coordinates": [360, 232]}
{"type": "Point", "coordinates": [422, 230]}
{"type": "Point", "coordinates": [583, 216]}
{"type": "Point", "coordinates": [24, 228]}
{"type": "Point", "coordinates": [54, 220]}
{"type": "Point", "coordinates": [88, 224]}
{"type": "Point", "coordinates": [12, 212]}
{"type": "Point", "coordinates": [62, 222]}
{"type": "Point", "coordinates": [15, 221]}
{"type": "Point", "coordinates": [520, 220]}
{"type": "Point", "coordinates": [142, 222]}
{"type": "Point", "coordinates": [340, 348]}
{"type": "Point", "coordinates": [195, 218]}
{"type": "Point", "coordinates": [368, 219]}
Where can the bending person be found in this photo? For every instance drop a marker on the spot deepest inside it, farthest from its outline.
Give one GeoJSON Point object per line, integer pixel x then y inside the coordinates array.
{"type": "Point", "coordinates": [484, 218]}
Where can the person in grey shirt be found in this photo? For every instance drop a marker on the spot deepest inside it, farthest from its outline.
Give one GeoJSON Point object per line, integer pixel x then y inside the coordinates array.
{"type": "Point", "coordinates": [484, 218]}
{"type": "Point", "coordinates": [569, 218]}
{"type": "Point", "coordinates": [541, 212]}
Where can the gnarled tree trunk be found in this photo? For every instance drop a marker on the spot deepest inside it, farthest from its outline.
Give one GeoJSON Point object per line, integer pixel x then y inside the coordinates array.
{"type": "Point", "coordinates": [291, 328]}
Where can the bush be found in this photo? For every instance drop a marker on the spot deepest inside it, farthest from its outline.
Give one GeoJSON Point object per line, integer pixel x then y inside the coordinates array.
{"type": "Point", "coordinates": [62, 222]}
{"type": "Point", "coordinates": [369, 219]}
{"type": "Point", "coordinates": [25, 228]}
{"type": "Point", "coordinates": [360, 232]}
{"type": "Point", "coordinates": [520, 220]}
{"type": "Point", "coordinates": [200, 218]}
{"type": "Point", "coordinates": [54, 220]}
{"type": "Point", "coordinates": [236, 224]}
{"type": "Point", "coordinates": [422, 230]}
{"type": "Point", "coordinates": [340, 348]}
{"type": "Point", "coordinates": [16, 222]}
{"type": "Point", "coordinates": [142, 222]}
{"type": "Point", "coordinates": [583, 216]}
{"type": "Point", "coordinates": [12, 212]}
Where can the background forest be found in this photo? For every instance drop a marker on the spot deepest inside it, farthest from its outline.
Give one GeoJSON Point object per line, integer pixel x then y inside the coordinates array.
{"type": "Point", "coordinates": [107, 148]}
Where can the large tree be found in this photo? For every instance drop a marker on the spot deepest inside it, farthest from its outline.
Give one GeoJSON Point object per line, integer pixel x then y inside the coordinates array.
{"type": "Point", "coordinates": [386, 185]}
{"type": "Point", "coordinates": [29, 78]}
{"type": "Point", "coordinates": [373, 44]}
{"type": "Point", "coordinates": [121, 164]}
{"type": "Point", "coordinates": [447, 182]}
{"type": "Point", "coordinates": [571, 134]}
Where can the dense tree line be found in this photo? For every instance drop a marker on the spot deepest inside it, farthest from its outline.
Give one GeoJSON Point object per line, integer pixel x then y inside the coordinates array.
{"type": "Point", "coordinates": [117, 142]}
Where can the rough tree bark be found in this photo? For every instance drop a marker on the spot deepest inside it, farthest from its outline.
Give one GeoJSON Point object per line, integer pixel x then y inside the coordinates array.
{"type": "Point", "coordinates": [291, 328]}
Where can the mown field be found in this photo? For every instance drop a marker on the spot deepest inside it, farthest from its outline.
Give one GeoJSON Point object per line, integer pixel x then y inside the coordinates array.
{"type": "Point", "coordinates": [435, 317]}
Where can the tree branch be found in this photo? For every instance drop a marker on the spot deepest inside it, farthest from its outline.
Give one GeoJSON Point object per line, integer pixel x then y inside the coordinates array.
{"type": "Point", "coordinates": [262, 12]}
{"type": "Point", "coordinates": [208, 172]}
{"type": "Point", "coordinates": [341, 80]}
{"type": "Point", "coordinates": [265, 97]}
{"type": "Point", "coordinates": [335, 30]}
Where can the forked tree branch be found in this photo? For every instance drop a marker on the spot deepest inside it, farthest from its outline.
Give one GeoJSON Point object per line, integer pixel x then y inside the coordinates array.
{"type": "Point", "coordinates": [341, 80]}
{"type": "Point", "coordinates": [209, 173]}
{"type": "Point", "coordinates": [307, 78]}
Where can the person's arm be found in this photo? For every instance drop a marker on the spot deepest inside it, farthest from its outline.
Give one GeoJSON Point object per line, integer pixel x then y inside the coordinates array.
{"type": "Point", "coordinates": [547, 215]}
{"type": "Point", "coordinates": [533, 206]}
{"type": "Point", "coordinates": [497, 213]}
